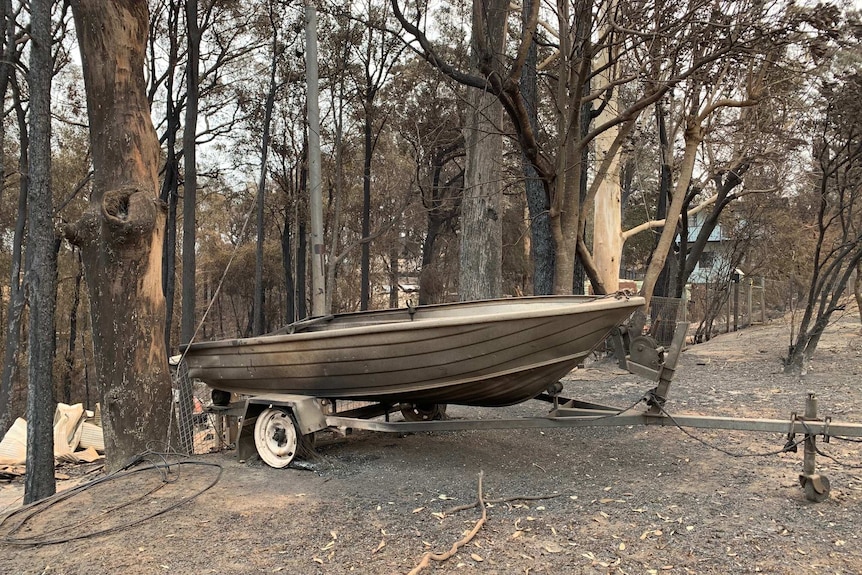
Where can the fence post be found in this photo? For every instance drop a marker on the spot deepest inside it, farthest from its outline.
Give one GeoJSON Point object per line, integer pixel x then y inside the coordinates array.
{"type": "Point", "coordinates": [735, 301]}
{"type": "Point", "coordinates": [749, 312]}
{"type": "Point", "coordinates": [728, 307]}
{"type": "Point", "coordinates": [762, 300]}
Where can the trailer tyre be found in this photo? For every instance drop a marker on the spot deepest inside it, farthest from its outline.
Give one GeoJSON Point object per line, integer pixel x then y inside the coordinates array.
{"type": "Point", "coordinates": [424, 411]}
{"type": "Point", "coordinates": [275, 437]}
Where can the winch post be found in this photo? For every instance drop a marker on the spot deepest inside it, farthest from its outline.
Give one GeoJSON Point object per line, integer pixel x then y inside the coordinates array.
{"type": "Point", "coordinates": [668, 367]}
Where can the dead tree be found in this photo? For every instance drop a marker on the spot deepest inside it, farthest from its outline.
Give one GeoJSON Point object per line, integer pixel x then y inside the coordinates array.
{"type": "Point", "coordinates": [121, 232]}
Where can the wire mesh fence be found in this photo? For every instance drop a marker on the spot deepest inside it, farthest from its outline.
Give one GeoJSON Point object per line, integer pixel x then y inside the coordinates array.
{"type": "Point", "coordinates": [715, 307]}
{"type": "Point", "coordinates": [197, 429]}
{"type": "Point", "coordinates": [721, 307]}
{"type": "Point", "coordinates": [664, 314]}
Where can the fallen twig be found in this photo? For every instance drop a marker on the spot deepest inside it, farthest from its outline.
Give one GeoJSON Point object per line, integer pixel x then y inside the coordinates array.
{"type": "Point", "coordinates": [453, 510]}
{"type": "Point", "coordinates": [428, 557]}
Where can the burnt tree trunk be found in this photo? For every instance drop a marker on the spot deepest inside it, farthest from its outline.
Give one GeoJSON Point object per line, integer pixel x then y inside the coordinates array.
{"type": "Point", "coordinates": [69, 372]}
{"type": "Point", "coordinates": [14, 297]}
{"type": "Point", "coordinates": [663, 284]}
{"type": "Point", "coordinates": [16, 292]}
{"type": "Point", "coordinates": [442, 203]}
{"type": "Point", "coordinates": [394, 288]}
{"type": "Point", "coordinates": [287, 265]}
{"type": "Point", "coordinates": [538, 202]}
{"type": "Point", "coordinates": [15, 312]}
{"type": "Point", "coordinates": [190, 182]}
{"type": "Point", "coordinates": [365, 258]}
{"type": "Point", "coordinates": [171, 182]}
{"type": "Point", "coordinates": [259, 322]}
{"type": "Point", "coordinates": [121, 232]}
{"type": "Point", "coordinates": [40, 278]}
{"type": "Point", "coordinates": [301, 271]}
{"type": "Point", "coordinates": [857, 289]}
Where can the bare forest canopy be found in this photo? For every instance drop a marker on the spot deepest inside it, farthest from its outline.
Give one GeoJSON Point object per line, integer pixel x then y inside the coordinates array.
{"type": "Point", "coordinates": [467, 150]}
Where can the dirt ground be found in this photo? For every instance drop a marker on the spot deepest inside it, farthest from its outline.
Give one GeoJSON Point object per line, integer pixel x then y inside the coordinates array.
{"type": "Point", "coordinates": [630, 500]}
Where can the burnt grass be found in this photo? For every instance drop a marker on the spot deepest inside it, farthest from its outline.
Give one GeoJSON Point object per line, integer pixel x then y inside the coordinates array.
{"type": "Point", "coordinates": [629, 499]}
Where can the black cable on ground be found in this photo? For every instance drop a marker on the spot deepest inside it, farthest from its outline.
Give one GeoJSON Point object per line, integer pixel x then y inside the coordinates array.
{"type": "Point", "coordinates": [26, 513]}
{"type": "Point", "coordinates": [818, 451]}
{"type": "Point", "coordinates": [849, 439]}
{"type": "Point", "coordinates": [836, 461]}
{"type": "Point", "coordinates": [789, 446]}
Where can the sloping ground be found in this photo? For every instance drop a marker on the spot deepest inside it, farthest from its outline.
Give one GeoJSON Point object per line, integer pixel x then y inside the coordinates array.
{"type": "Point", "coordinates": [625, 500]}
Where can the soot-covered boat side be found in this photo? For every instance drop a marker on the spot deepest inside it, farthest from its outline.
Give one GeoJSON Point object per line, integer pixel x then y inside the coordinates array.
{"type": "Point", "coordinates": [484, 353]}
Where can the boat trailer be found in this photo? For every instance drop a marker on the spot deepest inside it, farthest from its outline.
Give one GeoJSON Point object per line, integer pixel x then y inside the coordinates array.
{"type": "Point", "coordinates": [279, 426]}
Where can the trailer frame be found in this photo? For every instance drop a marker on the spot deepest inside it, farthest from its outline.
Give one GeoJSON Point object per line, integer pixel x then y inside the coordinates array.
{"type": "Point", "coordinates": [285, 424]}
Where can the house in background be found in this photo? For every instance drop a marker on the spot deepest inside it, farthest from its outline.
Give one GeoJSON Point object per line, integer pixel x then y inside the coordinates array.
{"type": "Point", "coordinates": [715, 259]}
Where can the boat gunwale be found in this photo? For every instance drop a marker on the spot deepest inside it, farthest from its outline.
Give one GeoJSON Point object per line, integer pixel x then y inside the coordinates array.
{"type": "Point", "coordinates": [555, 304]}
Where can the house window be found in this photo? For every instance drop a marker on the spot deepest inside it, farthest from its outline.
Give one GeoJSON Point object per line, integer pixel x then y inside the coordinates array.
{"type": "Point", "coordinates": [707, 260]}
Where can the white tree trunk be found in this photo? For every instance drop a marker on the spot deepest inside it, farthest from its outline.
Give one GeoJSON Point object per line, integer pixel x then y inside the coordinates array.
{"type": "Point", "coordinates": [607, 218]}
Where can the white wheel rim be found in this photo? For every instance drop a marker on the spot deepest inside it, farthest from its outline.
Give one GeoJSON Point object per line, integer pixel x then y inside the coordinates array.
{"type": "Point", "coordinates": [275, 438]}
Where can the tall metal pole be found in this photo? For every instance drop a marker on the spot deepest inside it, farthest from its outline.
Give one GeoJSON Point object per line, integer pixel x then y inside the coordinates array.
{"type": "Point", "coordinates": [318, 287]}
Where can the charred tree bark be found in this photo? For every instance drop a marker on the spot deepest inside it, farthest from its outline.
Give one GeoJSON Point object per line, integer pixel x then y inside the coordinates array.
{"type": "Point", "coordinates": [365, 258]}
{"type": "Point", "coordinates": [68, 374]}
{"type": "Point", "coordinates": [169, 260]}
{"type": "Point", "coordinates": [121, 232]}
{"type": "Point", "coordinates": [394, 288]}
{"type": "Point", "coordinates": [579, 269]}
{"type": "Point", "coordinates": [16, 293]}
{"type": "Point", "coordinates": [287, 265]}
{"type": "Point", "coordinates": [694, 135]}
{"type": "Point", "coordinates": [294, 260]}
{"type": "Point", "coordinates": [857, 290]}
{"type": "Point", "coordinates": [5, 67]}
{"type": "Point", "coordinates": [442, 203]}
{"type": "Point", "coordinates": [725, 183]}
{"type": "Point", "coordinates": [663, 287]}
{"type": "Point", "coordinates": [15, 308]}
{"type": "Point", "coordinates": [301, 271]}
{"type": "Point", "coordinates": [171, 182]}
{"type": "Point", "coordinates": [190, 182]}
{"type": "Point", "coordinates": [259, 290]}
{"type": "Point", "coordinates": [40, 279]}
{"type": "Point", "coordinates": [838, 249]}
{"type": "Point", "coordinates": [538, 202]}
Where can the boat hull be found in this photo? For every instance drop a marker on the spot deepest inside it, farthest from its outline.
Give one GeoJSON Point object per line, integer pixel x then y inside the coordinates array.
{"type": "Point", "coordinates": [487, 353]}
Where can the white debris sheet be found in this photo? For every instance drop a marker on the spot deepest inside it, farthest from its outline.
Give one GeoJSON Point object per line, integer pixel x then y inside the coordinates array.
{"type": "Point", "coordinates": [77, 437]}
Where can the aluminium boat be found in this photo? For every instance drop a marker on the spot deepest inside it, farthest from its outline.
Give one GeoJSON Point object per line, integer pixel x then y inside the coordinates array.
{"type": "Point", "coordinates": [483, 353]}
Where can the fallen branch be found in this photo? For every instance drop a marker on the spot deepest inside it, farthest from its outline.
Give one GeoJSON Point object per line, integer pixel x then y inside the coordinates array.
{"type": "Point", "coordinates": [428, 557]}
{"type": "Point", "coordinates": [453, 510]}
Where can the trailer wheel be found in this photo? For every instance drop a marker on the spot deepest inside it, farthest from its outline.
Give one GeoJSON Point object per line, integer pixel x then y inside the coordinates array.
{"type": "Point", "coordinates": [275, 437]}
{"type": "Point", "coordinates": [816, 487]}
{"type": "Point", "coordinates": [424, 411]}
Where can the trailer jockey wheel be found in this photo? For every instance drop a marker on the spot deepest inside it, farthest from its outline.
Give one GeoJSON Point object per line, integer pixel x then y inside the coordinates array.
{"type": "Point", "coordinates": [424, 411]}
{"type": "Point", "coordinates": [816, 487]}
{"type": "Point", "coordinates": [275, 437]}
